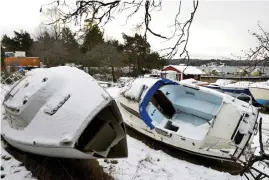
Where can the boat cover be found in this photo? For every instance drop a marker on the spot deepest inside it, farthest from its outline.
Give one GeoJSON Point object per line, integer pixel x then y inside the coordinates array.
{"type": "Point", "coordinates": [147, 98]}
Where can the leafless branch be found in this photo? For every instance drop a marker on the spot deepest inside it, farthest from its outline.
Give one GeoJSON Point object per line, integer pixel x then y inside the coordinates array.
{"type": "Point", "coordinates": [260, 54]}
{"type": "Point", "coordinates": [183, 29]}
{"type": "Point", "coordinates": [102, 11]}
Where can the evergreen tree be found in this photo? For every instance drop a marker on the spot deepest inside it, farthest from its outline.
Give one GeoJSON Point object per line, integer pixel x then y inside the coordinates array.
{"type": "Point", "coordinates": [92, 36]}
{"type": "Point", "coordinates": [22, 41]}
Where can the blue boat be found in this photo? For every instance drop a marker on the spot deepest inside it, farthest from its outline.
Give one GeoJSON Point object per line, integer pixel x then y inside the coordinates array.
{"type": "Point", "coordinates": [238, 89]}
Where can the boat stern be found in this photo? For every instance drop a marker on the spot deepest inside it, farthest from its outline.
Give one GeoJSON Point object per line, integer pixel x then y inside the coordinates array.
{"type": "Point", "coordinates": [105, 135]}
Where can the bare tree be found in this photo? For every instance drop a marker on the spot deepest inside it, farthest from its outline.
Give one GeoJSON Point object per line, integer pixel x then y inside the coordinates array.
{"type": "Point", "coordinates": [51, 51]}
{"type": "Point", "coordinates": [103, 11]}
{"type": "Point", "coordinates": [107, 56]}
{"type": "Point", "coordinates": [51, 15]}
{"type": "Point", "coordinates": [259, 55]}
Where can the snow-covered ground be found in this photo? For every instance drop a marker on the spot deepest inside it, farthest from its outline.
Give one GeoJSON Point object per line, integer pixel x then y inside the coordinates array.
{"type": "Point", "coordinates": [146, 163]}
{"type": "Point", "coordinates": [11, 169]}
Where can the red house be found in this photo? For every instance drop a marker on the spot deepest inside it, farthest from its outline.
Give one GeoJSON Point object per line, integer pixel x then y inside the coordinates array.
{"type": "Point", "coordinates": [180, 72]}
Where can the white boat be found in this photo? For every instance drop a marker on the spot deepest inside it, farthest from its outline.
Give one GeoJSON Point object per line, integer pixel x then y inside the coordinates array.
{"type": "Point", "coordinates": [220, 82]}
{"type": "Point", "coordinates": [194, 81]}
{"type": "Point", "coordinates": [189, 117]}
{"type": "Point", "coordinates": [124, 80]}
{"type": "Point", "coordinates": [240, 88]}
{"type": "Point", "coordinates": [260, 92]}
{"type": "Point", "coordinates": [63, 112]}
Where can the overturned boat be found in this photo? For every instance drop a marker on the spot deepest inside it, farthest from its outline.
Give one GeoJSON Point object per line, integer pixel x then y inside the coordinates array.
{"type": "Point", "coordinates": [63, 112]}
{"type": "Point", "coordinates": [189, 117]}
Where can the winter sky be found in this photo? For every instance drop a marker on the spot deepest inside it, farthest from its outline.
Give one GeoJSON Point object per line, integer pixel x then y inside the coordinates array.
{"type": "Point", "coordinates": [220, 28]}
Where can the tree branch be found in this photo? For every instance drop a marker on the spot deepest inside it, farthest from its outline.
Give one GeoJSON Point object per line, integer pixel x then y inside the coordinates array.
{"type": "Point", "coordinates": [101, 11]}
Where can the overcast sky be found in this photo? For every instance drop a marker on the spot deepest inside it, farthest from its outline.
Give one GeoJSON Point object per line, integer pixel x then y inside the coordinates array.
{"type": "Point", "coordinates": [220, 28]}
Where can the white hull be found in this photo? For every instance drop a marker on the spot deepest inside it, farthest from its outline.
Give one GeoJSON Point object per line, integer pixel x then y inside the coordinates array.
{"type": "Point", "coordinates": [56, 151]}
{"type": "Point", "coordinates": [63, 112]}
{"type": "Point", "coordinates": [261, 95]}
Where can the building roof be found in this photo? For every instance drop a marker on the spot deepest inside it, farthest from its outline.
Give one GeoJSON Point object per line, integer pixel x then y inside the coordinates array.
{"type": "Point", "coordinates": [187, 69]}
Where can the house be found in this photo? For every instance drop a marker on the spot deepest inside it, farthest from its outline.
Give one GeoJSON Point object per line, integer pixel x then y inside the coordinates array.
{"type": "Point", "coordinates": [180, 72]}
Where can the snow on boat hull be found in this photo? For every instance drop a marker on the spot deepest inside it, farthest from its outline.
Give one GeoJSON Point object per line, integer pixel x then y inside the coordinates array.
{"type": "Point", "coordinates": [238, 88]}
{"type": "Point", "coordinates": [260, 94]}
{"type": "Point", "coordinates": [213, 135]}
{"type": "Point", "coordinates": [63, 112]}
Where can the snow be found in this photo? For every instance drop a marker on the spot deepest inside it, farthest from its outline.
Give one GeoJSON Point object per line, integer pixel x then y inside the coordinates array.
{"type": "Point", "coordinates": [187, 69]}
{"type": "Point", "coordinates": [134, 88]}
{"type": "Point", "coordinates": [11, 168]}
{"type": "Point", "coordinates": [194, 81]}
{"type": "Point", "coordinates": [264, 84]}
{"type": "Point", "coordinates": [222, 82]}
{"type": "Point", "coordinates": [146, 163]}
{"type": "Point", "coordinates": [240, 84]}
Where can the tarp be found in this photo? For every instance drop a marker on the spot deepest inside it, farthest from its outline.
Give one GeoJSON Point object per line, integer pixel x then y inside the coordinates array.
{"type": "Point", "coordinates": [142, 107]}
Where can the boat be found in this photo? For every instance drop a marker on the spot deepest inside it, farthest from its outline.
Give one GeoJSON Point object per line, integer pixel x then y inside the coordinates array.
{"type": "Point", "coordinates": [63, 112]}
{"type": "Point", "coordinates": [220, 82]}
{"type": "Point", "coordinates": [124, 80]}
{"type": "Point", "coordinates": [188, 117]}
{"type": "Point", "coordinates": [260, 92]}
{"type": "Point", "coordinates": [240, 88]}
{"type": "Point", "coordinates": [194, 81]}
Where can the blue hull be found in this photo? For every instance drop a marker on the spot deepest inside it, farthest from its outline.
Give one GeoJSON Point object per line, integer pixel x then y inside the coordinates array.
{"type": "Point", "coordinates": [237, 91]}
{"type": "Point", "coordinates": [263, 102]}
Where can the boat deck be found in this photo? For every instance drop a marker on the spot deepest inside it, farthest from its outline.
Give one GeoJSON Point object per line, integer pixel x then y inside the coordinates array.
{"type": "Point", "coordinates": [190, 126]}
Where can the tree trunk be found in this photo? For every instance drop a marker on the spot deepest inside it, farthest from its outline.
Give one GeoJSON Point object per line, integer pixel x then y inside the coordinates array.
{"type": "Point", "coordinates": [113, 74]}
{"type": "Point", "coordinates": [137, 66]}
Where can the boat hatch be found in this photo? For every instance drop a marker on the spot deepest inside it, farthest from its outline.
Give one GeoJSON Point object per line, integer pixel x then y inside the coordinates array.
{"type": "Point", "coordinates": [102, 133]}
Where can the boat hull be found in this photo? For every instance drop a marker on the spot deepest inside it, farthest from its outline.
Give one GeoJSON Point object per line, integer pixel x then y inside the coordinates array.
{"type": "Point", "coordinates": [63, 112]}
{"type": "Point", "coordinates": [57, 151]}
{"type": "Point", "coordinates": [242, 94]}
{"type": "Point", "coordinates": [236, 91]}
{"type": "Point", "coordinates": [261, 95]}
